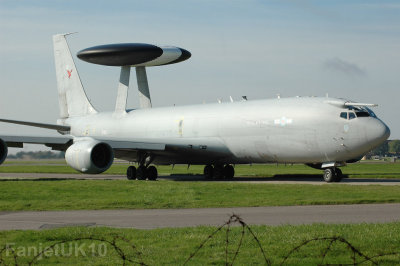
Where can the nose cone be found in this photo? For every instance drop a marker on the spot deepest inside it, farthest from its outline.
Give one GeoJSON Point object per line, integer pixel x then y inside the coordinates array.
{"type": "Point", "coordinates": [377, 132]}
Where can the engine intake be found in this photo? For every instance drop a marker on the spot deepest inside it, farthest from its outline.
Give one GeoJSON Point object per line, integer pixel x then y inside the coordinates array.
{"type": "Point", "coordinates": [3, 151]}
{"type": "Point", "coordinates": [89, 156]}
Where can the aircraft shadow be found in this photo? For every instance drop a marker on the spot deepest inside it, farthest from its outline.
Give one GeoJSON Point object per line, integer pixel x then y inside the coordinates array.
{"type": "Point", "coordinates": [198, 177]}
{"type": "Point", "coordinates": [312, 178]}
{"type": "Point", "coordinates": [287, 177]}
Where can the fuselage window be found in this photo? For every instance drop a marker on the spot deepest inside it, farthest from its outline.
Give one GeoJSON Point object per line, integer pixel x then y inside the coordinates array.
{"type": "Point", "coordinates": [343, 115]}
{"type": "Point", "coordinates": [352, 115]}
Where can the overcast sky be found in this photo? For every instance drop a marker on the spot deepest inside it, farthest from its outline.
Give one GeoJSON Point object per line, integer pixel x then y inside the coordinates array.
{"type": "Point", "coordinates": [348, 49]}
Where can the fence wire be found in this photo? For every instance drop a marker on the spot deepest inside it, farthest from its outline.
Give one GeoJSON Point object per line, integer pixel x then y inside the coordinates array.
{"type": "Point", "coordinates": [128, 253]}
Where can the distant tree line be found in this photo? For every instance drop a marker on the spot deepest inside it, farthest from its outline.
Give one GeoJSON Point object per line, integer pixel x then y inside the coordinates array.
{"type": "Point", "coordinates": [388, 148]}
{"type": "Point", "coordinates": [36, 155]}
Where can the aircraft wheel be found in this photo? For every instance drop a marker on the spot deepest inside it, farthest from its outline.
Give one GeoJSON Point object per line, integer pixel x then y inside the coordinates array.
{"type": "Point", "coordinates": [339, 175]}
{"type": "Point", "coordinates": [219, 171]}
{"type": "Point", "coordinates": [141, 173]}
{"type": "Point", "coordinates": [329, 175]}
{"type": "Point", "coordinates": [152, 173]}
{"type": "Point", "coordinates": [208, 171]}
{"type": "Point", "coordinates": [229, 171]}
{"type": "Point", "coordinates": [131, 173]}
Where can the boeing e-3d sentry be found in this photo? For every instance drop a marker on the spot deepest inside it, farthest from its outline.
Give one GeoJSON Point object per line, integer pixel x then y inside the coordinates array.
{"type": "Point", "coordinates": [324, 133]}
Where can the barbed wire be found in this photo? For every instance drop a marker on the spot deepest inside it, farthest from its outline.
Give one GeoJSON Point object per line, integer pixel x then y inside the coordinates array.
{"type": "Point", "coordinates": [233, 219]}
{"type": "Point", "coordinates": [331, 241]}
{"type": "Point", "coordinates": [119, 244]}
{"type": "Point", "coordinates": [357, 257]}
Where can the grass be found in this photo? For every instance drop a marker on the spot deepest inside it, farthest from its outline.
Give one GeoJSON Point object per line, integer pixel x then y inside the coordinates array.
{"type": "Point", "coordinates": [123, 194]}
{"type": "Point", "coordinates": [173, 246]}
{"type": "Point", "coordinates": [357, 170]}
{"type": "Point", "coordinates": [58, 194]}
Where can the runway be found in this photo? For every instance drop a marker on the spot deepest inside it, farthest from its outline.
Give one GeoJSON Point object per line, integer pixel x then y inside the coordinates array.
{"type": "Point", "coordinates": [149, 219]}
{"type": "Point", "coordinates": [283, 179]}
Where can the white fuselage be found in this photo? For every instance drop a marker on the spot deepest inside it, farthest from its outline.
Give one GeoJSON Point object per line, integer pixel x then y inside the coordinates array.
{"type": "Point", "coordinates": [291, 130]}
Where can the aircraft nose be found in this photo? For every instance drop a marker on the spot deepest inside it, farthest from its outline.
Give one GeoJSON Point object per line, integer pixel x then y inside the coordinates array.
{"type": "Point", "coordinates": [378, 132]}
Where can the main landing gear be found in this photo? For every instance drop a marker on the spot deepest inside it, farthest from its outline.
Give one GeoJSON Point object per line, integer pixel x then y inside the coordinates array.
{"type": "Point", "coordinates": [333, 174]}
{"type": "Point", "coordinates": [219, 171]}
{"type": "Point", "coordinates": [144, 171]}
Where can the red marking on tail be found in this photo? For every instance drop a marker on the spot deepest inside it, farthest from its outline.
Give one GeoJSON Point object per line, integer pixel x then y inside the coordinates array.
{"type": "Point", "coordinates": [69, 73]}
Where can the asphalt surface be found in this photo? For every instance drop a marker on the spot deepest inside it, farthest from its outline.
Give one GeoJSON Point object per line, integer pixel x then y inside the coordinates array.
{"type": "Point", "coordinates": [149, 219]}
{"type": "Point", "coordinates": [284, 179]}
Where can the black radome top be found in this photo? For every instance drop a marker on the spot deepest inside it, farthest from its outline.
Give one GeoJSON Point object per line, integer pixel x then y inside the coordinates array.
{"type": "Point", "coordinates": [128, 54]}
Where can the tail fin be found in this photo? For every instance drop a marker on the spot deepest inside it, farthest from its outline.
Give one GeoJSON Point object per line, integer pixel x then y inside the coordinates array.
{"type": "Point", "coordinates": [71, 95]}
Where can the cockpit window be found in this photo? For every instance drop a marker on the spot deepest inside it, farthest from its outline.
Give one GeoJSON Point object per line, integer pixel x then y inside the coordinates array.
{"type": "Point", "coordinates": [362, 111]}
{"type": "Point", "coordinates": [371, 113]}
{"type": "Point", "coordinates": [362, 114]}
{"type": "Point", "coordinates": [355, 112]}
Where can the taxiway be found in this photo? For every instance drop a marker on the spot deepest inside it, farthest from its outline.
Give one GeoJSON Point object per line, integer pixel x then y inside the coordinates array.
{"type": "Point", "coordinates": [159, 218]}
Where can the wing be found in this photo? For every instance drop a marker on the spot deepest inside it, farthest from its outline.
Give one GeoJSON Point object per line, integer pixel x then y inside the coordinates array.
{"type": "Point", "coordinates": [133, 145]}
{"type": "Point", "coordinates": [169, 151]}
{"type": "Point", "coordinates": [63, 142]}
{"type": "Point", "coordinates": [34, 124]}
{"type": "Point", "coordinates": [123, 149]}
{"type": "Point", "coordinates": [164, 152]}
{"type": "Point", "coordinates": [56, 143]}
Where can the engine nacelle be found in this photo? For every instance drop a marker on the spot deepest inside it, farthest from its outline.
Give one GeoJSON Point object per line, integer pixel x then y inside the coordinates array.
{"type": "Point", "coordinates": [89, 156]}
{"type": "Point", "coordinates": [3, 151]}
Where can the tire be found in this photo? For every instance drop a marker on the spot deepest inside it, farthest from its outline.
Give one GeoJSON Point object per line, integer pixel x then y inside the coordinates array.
{"type": "Point", "coordinates": [229, 171]}
{"type": "Point", "coordinates": [329, 175]}
{"type": "Point", "coordinates": [339, 175]}
{"type": "Point", "coordinates": [219, 171]}
{"type": "Point", "coordinates": [131, 173]}
{"type": "Point", "coordinates": [152, 173]}
{"type": "Point", "coordinates": [141, 173]}
{"type": "Point", "coordinates": [208, 171]}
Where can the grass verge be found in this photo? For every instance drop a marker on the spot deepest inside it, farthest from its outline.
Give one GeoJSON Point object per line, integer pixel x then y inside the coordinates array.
{"type": "Point", "coordinates": [174, 246]}
{"type": "Point", "coordinates": [120, 194]}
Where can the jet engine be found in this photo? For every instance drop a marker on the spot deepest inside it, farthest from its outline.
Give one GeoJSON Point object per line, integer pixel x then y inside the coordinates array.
{"type": "Point", "coordinates": [3, 151]}
{"type": "Point", "coordinates": [89, 156]}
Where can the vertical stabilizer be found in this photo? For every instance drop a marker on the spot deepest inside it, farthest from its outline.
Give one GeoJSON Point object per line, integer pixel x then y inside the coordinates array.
{"type": "Point", "coordinates": [71, 95]}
